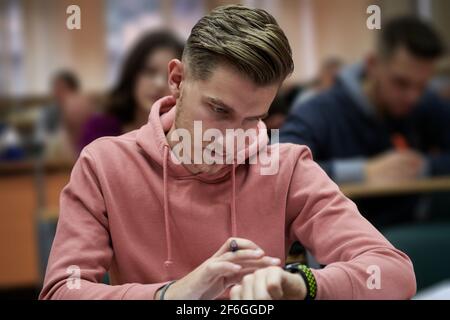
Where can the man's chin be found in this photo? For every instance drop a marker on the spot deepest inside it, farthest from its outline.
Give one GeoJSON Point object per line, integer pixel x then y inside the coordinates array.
{"type": "Point", "coordinates": [210, 169]}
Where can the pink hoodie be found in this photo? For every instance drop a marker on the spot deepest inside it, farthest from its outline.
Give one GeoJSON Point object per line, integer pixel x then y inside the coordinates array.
{"type": "Point", "coordinates": [131, 211]}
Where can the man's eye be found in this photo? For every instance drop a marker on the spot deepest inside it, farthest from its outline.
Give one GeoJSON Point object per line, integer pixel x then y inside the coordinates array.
{"type": "Point", "coordinates": [218, 109]}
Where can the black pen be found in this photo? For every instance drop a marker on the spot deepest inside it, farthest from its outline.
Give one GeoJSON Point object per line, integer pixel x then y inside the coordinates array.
{"type": "Point", "coordinates": [234, 246]}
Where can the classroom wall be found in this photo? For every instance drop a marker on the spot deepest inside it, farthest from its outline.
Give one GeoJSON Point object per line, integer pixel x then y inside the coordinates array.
{"type": "Point", "coordinates": [317, 29]}
{"type": "Point", "coordinates": [342, 33]}
{"type": "Point", "coordinates": [304, 21]}
{"type": "Point", "coordinates": [51, 46]}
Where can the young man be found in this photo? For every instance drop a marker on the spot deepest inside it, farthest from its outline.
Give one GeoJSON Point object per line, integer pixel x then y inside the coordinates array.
{"type": "Point", "coordinates": [379, 122]}
{"type": "Point", "coordinates": [59, 126]}
{"type": "Point", "coordinates": [133, 209]}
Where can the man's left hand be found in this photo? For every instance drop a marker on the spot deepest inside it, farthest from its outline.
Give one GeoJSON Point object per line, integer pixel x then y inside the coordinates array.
{"type": "Point", "coordinates": [271, 283]}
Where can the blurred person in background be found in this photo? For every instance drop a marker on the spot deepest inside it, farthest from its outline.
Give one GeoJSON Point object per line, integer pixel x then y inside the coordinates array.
{"type": "Point", "coordinates": [325, 80]}
{"type": "Point", "coordinates": [60, 125]}
{"type": "Point", "coordinates": [142, 81]}
{"type": "Point", "coordinates": [441, 83]}
{"type": "Point", "coordinates": [380, 122]}
{"type": "Point", "coordinates": [277, 112]}
{"type": "Point", "coordinates": [281, 106]}
{"type": "Point", "coordinates": [11, 146]}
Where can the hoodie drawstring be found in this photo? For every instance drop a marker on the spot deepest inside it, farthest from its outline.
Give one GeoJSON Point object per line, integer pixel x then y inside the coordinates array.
{"type": "Point", "coordinates": [233, 202]}
{"type": "Point", "coordinates": [168, 263]}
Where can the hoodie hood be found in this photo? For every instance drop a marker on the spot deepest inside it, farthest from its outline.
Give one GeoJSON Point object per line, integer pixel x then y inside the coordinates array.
{"type": "Point", "coordinates": [152, 139]}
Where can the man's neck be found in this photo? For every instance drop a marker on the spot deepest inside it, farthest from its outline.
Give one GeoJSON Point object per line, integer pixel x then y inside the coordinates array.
{"type": "Point", "coordinates": [190, 167]}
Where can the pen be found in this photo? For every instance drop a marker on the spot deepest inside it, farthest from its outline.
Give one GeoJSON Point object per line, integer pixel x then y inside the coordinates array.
{"type": "Point", "coordinates": [234, 246]}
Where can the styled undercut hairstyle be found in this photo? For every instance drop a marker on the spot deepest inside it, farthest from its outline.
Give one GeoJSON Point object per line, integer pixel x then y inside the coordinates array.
{"type": "Point", "coordinates": [250, 40]}
{"type": "Point", "coordinates": [416, 36]}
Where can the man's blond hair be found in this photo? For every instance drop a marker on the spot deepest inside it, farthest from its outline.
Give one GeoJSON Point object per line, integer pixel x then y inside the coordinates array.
{"type": "Point", "coordinates": [250, 40]}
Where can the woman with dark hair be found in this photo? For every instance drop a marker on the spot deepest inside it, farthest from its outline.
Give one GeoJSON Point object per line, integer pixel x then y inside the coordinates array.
{"type": "Point", "coordinates": [142, 81]}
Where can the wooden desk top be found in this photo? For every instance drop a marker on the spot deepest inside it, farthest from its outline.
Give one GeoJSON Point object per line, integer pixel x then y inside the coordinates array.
{"type": "Point", "coordinates": [358, 190]}
{"type": "Point", "coordinates": [29, 166]}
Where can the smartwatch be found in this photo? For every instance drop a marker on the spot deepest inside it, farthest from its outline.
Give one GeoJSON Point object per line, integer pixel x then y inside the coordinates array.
{"type": "Point", "coordinates": [308, 277]}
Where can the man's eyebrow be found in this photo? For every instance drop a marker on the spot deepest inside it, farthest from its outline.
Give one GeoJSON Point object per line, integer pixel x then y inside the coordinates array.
{"type": "Point", "coordinates": [222, 104]}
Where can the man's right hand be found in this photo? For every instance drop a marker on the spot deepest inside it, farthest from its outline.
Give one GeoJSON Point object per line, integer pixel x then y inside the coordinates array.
{"type": "Point", "coordinates": [394, 166]}
{"type": "Point", "coordinates": [222, 270]}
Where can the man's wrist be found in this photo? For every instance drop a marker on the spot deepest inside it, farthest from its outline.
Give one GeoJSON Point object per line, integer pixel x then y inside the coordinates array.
{"type": "Point", "coordinates": [302, 288]}
{"type": "Point", "coordinates": [307, 279]}
{"type": "Point", "coordinates": [162, 293]}
{"type": "Point", "coordinates": [157, 294]}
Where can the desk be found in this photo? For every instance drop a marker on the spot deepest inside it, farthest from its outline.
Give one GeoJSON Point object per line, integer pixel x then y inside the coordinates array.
{"type": "Point", "coordinates": [21, 200]}
{"type": "Point", "coordinates": [358, 190]}
{"type": "Point", "coordinates": [20, 207]}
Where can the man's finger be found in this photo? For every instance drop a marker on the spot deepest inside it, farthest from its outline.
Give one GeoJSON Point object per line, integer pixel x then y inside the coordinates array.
{"type": "Point", "coordinates": [273, 284]}
{"type": "Point", "coordinates": [237, 277]}
{"type": "Point", "coordinates": [263, 262]}
{"type": "Point", "coordinates": [241, 244]}
{"type": "Point", "coordinates": [220, 268]}
{"type": "Point", "coordinates": [247, 287]}
{"type": "Point", "coordinates": [260, 286]}
{"type": "Point", "coordinates": [235, 292]}
{"type": "Point", "coordinates": [241, 255]}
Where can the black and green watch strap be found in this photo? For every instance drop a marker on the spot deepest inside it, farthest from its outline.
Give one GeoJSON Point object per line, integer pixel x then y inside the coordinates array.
{"type": "Point", "coordinates": [308, 277]}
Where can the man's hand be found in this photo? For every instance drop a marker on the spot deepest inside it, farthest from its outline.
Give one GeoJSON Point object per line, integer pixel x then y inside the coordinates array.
{"type": "Point", "coordinates": [222, 270]}
{"type": "Point", "coordinates": [395, 165]}
{"type": "Point", "coordinates": [272, 283]}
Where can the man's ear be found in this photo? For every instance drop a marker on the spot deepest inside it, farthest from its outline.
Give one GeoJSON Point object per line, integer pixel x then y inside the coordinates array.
{"type": "Point", "coordinates": [176, 77]}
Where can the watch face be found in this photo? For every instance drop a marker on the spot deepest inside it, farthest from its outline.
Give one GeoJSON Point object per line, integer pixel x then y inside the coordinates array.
{"type": "Point", "coordinates": [292, 268]}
